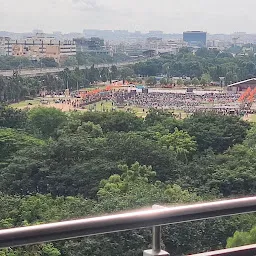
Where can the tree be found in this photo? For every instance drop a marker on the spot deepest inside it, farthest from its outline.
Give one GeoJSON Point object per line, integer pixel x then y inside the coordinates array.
{"type": "Point", "coordinates": [11, 141]}
{"type": "Point", "coordinates": [114, 72]}
{"type": "Point", "coordinates": [230, 78]}
{"type": "Point", "coordinates": [180, 142]}
{"type": "Point", "coordinates": [163, 81]}
{"type": "Point", "coordinates": [242, 238]}
{"type": "Point", "coordinates": [195, 81]}
{"type": "Point", "coordinates": [73, 165]}
{"type": "Point", "coordinates": [205, 79]}
{"type": "Point", "coordinates": [119, 145]}
{"type": "Point", "coordinates": [151, 80]}
{"type": "Point", "coordinates": [120, 184]}
{"type": "Point", "coordinates": [126, 72]}
{"type": "Point", "coordinates": [70, 62]}
{"type": "Point", "coordinates": [49, 62]}
{"type": "Point", "coordinates": [180, 82]}
{"type": "Point", "coordinates": [94, 75]}
{"type": "Point", "coordinates": [187, 82]}
{"type": "Point", "coordinates": [129, 79]}
{"type": "Point", "coordinates": [12, 62]}
{"type": "Point", "coordinates": [156, 116]}
{"type": "Point", "coordinates": [104, 74]}
{"type": "Point", "coordinates": [46, 121]}
{"type": "Point", "coordinates": [114, 121]}
{"type": "Point", "coordinates": [166, 69]}
{"type": "Point", "coordinates": [250, 140]}
{"type": "Point", "coordinates": [216, 131]}
{"type": "Point", "coordinates": [12, 118]}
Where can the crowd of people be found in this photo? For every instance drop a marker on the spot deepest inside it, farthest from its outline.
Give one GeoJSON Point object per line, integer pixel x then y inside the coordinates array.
{"type": "Point", "coordinates": [188, 102]}
{"type": "Point", "coordinates": [224, 103]}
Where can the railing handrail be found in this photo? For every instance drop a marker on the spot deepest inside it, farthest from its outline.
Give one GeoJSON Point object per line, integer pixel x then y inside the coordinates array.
{"type": "Point", "coordinates": [124, 221]}
{"type": "Point", "coordinates": [247, 250]}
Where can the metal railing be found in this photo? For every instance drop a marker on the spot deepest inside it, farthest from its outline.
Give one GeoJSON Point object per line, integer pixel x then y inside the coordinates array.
{"type": "Point", "coordinates": [126, 221]}
{"type": "Point", "coordinates": [248, 250]}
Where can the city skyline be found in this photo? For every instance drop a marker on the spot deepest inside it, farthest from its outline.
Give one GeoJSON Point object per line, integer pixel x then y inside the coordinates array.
{"type": "Point", "coordinates": [168, 16]}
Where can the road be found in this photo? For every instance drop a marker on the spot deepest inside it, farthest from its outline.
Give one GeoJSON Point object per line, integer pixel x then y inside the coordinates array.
{"type": "Point", "coordinates": [43, 71]}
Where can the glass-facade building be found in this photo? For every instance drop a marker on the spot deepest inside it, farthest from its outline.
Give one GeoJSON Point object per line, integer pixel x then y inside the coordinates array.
{"type": "Point", "coordinates": [195, 38]}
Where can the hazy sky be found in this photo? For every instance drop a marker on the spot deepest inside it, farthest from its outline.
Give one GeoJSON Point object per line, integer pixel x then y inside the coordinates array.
{"type": "Point", "coordinates": [173, 16]}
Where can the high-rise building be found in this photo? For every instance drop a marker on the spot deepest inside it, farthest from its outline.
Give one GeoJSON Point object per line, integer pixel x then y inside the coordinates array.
{"type": "Point", "coordinates": [195, 38]}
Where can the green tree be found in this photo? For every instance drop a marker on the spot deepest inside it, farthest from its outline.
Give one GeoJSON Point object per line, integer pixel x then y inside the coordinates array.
{"type": "Point", "coordinates": [114, 72]}
{"type": "Point", "coordinates": [114, 121]}
{"type": "Point", "coordinates": [180, 142]}
{"type": "Point", "coordinates": [151, 80]}
{"type": "Point", "coordinates": [216, 131]}
{"type": "Point", "coordinates": [163, 81]}
{"type": "Point", "coordinates": [128, 148]}
{"type": "Point", "coordinates": [49, 62]}
{"type": "Point", "coordinates": [205, 79]}
{"type": "Point", "coordinates": [250, 140]}
{"type": "Point", "coordinates": [126, 72]}
{"type": "Point", "coordinates": [104, 74]}
{"type": "Point", "coordinates": [70, 62]}
{"type": "Point", "coordinates": [94, 75]}
{"type": "Point", "coordinates": [187, 82]}
{"type": "Point", "coordinates": [12, 140]}
{"type": "Point", "coordinates": [156, 116]}
{"type": "Point", "coordinates": [120, 184]}
{"type": "Point", "coordinates": [180, 82]}
{"type": "Point", "coordinates": [12, 118]}
{"type": "Point", "coordinates": [242, 238]}
{"type": "Point", "coordinates": [46, 121]}
{"type": "Point", "coordinates": [195, 81]}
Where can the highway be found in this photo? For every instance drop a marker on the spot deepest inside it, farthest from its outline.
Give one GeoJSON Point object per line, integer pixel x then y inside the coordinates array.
{"type": "Point", "coordinates": [42, 71]}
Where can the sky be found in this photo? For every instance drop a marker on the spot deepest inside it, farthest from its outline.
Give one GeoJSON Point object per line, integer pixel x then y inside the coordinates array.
{"type": "Point", "coordinates": [170, 16]}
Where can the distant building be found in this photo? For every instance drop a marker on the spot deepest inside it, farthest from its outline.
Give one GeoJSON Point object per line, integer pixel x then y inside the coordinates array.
{"type": "Point", "coordinates": [153, 42]}
{"type": "Point", "coordinates": [195, 38]}
{"type": "Point", "coordinates": [40, 46]}
{"type": "Point", "coordinates": [163, 46]}
{"type": "Point", "coordinates": [155, 33]}
{"type": "Point", "coordinates": [94, 45]}
{"type": "Point", "coordinates": [2, 45]}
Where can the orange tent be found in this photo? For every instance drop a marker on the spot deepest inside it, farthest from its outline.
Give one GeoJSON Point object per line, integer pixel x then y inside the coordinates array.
{"type": "Point", "coordinates": [245, 94]}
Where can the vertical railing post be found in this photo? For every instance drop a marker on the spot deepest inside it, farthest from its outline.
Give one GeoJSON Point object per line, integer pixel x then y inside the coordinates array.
{"type": "Point", "coordinates": [156, 237]}
{"type": "Point", "coordinates": [156, 240]}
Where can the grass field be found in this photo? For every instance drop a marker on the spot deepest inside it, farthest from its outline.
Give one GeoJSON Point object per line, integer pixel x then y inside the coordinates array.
{"type": "Point", "coordinates": [138, 111]}
{"type": "Point", "coordinates": [103, 105]}
{"type": "Point", "coordinates": [25, 103]}
{"type": "Point", "coordinates": [251, 118]}
{"type": "Point", "coordinates": [100, 106]}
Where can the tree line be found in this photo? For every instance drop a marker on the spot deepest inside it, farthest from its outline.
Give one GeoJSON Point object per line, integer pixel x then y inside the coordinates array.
{"type": "Point", "coordinates": [204, 65]}
{"type": "Point", "coordinates": [17, 88]}
{"type": "Point", "coordinates": [59, 166]}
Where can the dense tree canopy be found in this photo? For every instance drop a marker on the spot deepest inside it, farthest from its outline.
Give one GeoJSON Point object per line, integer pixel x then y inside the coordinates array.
{"type": "Point", "coordinates": [57, 166]}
